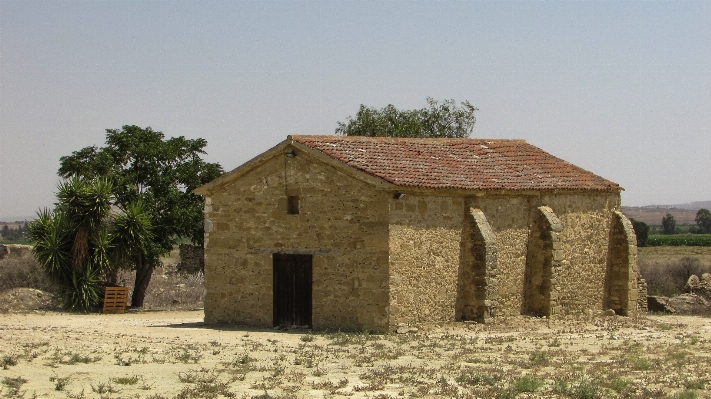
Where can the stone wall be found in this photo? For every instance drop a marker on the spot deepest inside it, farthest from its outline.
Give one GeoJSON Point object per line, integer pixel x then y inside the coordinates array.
{"type": "Point", "coordinates": [477, 291]}
{"type": "Point", "coordinates": [192, 259]}
{"type": "Point", "coordinates": [341, 220]}
{"type": "Point", "coordinates": [621, 286]}
{"type": "Point", "coordinates": [380, 259]}
{"type": "Point", "coordinates": [508, 217]}
{"type": "Point", "coordinates": [15, 251]}
{"type": "Point", "coordinates": [642, 293]}
{"type": "Point", "coordinates": [583, 248]}
{"type": "Point", "coordinates": [568, 243]}
{"type": "Point", "coordinates": [543, 260]}
{"type": "Point", "coordinates": [425, 235]}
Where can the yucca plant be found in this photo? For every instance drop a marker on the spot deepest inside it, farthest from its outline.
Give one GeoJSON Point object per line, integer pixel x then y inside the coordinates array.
{"type": "Point", "coordinates": [83, 240]}
{"type": "Point", "coordinates": [133, 237]}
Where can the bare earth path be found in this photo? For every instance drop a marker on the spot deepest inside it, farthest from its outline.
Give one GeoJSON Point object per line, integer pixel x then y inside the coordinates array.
{"type": "Point", "coordinates": [172, 354]}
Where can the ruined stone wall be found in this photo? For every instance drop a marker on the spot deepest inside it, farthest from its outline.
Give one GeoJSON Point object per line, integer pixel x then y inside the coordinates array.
{"type": "Point", "coordinates": [425, 235]}
{"type": "Point", "coordinates": [15, 251]}
{"type": "Point", "coordinates": [343, 222]}
{"type": "Point", "coordinates": [192, 259]}
{"type": "Point", "coordinates": [642, 293]}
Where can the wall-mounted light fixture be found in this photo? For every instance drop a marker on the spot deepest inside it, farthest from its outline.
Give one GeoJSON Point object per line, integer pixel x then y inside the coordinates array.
{"type": "Point", "coordinates": [399, 195]}
{"type": "Point", "coordinates": [290, 154]}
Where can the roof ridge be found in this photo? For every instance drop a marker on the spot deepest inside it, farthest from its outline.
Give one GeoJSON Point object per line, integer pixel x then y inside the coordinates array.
{"type": "Point", "coordinates": [296, 137]}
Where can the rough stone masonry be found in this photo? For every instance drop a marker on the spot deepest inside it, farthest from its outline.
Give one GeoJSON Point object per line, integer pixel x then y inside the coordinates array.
{"type": "Point", "coordinates": [413, 231]}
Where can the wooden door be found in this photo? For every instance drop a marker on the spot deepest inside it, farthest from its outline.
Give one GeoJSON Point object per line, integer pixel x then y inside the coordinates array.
{"type": "Point", "coordinates": [292, 290]}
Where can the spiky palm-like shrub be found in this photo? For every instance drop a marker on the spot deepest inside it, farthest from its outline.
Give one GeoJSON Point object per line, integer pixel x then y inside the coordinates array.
{"type": "Point", "coordinates": [81, 241]}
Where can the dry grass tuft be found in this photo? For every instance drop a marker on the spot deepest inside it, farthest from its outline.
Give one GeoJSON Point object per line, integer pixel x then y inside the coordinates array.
{"type": "Point", "coordinates": [668, 278]}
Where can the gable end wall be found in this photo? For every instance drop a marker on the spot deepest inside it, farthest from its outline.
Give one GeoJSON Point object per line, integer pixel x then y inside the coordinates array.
{"type": "Point", "coordinates": [342, 222]}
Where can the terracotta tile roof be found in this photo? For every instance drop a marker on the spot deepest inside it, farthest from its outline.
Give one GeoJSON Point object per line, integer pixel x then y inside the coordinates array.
{"type": "Point", "coordinates": [475, 164]}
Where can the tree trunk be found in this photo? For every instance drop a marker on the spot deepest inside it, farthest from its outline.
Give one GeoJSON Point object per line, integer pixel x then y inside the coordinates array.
{"type": "Point", "coordinates": [112, 277]}
{"type": "Point", "coordinates": [144, 271]}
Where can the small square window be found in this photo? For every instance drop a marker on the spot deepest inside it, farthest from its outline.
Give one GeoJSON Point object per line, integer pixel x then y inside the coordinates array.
{"type": "Point", "coordinates": [292, 205]}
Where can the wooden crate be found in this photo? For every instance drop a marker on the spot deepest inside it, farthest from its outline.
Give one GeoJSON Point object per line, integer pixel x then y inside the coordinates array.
{"type": "Point", "coordinates": [115, 299]}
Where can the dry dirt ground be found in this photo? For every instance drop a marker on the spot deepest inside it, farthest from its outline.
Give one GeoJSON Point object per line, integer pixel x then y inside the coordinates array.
{"type": "Point", "coordinates": [173, 355]}
{"type": "Point", "coordinates": [674, 254]}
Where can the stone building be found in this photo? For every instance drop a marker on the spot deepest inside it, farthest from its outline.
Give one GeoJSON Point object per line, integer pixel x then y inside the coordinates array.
{"type": "Point", "coordinates": [359, 233]}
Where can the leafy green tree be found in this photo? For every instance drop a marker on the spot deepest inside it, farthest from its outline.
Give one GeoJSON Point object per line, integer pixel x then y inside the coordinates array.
{"type": "Point", "coordinates": [703, 220]}
{"type": "Point", "coordinates": [438, 120]}
{"type": "Point", "coordinates": [81, 240]}
{"type": "Point", "coordinates": [14, 234]}
{"type": "Point", "coordinates": [641, 230]}
{"type": "Point", "coordinates": [668, 224]}
{"type": "Point", "coordinates": [143, 165]}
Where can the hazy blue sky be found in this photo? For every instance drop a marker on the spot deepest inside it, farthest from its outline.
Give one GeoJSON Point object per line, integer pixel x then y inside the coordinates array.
{"type": "Point", "coordinates": [620, 88]}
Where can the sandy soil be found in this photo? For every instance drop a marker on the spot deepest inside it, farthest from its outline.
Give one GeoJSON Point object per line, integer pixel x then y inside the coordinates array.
{"type": "Point", "coordinates": [172, 354]}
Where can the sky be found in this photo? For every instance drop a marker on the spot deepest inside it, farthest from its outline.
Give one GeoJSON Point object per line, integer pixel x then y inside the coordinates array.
{"type": "Point", "coordinates": [620, 88]}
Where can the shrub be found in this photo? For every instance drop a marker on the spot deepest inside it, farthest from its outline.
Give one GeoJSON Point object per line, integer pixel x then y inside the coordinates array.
{"type": "Point", "coordinates": [539, 359]}
{"type": "Point", "coordinates": [668, 279]}
{"type": "Point", "coordinates": [687, 394]}
{"type": "Point", "coordinates": [587, 390]}
{"type": "Point", "coordinates": [526, 384]}
{"type": "Point", "coordinates": [13, 385]}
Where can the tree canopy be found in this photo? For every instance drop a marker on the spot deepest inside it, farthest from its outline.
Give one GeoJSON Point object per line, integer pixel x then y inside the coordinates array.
{"type": "Point", "coordinates": [141, 164]}
{"type": "Point", "coordinates": [703, 220]}
{"type": "Point", "coordinates": [641, 230]}
{"type": "Point", "coordinates": [443, 119]}
{"type": "Point", "coordinates": [669, 224]}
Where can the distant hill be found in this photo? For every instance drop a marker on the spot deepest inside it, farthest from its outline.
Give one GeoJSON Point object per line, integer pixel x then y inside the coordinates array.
{"type": "Point", "coordinates": [653, 214]}
{"type": "Point", "coordinates": [10, 219]}
{"type": "Point", "coordinates": [694, 206]}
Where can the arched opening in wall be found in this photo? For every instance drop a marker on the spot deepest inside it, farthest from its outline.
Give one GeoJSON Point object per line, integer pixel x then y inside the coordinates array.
{"type": "Point", "coordinates": [476, 297]}
{"type": "Point", "coordinates": [542, 264]}
{"type": "Point", "coordinates": [621, 273]}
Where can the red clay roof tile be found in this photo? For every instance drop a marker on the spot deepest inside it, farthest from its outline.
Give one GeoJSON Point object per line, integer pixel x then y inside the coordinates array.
{"type": "Point", "coordinates": [472, 164]}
